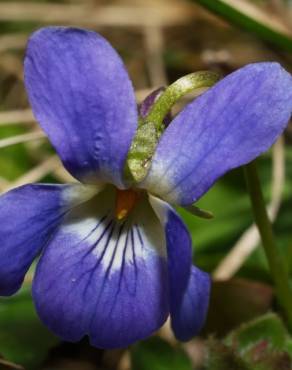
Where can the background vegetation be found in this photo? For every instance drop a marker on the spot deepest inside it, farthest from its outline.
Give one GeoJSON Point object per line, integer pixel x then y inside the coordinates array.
{"type": "Point", "coordinates": [160, 41]}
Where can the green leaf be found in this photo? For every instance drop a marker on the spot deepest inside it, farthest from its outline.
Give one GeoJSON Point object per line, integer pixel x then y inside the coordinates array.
{"type": "Point", "coordinates": [261, 344]}
{"type": "Point", "coordinates": [221, 356]}
{"type": "Point", "coordinates": [264, 343]}
{"type": "Point", "coordinates": [156, 354]}
{"type": "Point", "coordinates": [268, 328]}
{"type": "Point", "coordinates": [23, 338]}
{"type": "Point", "coordinates": [250, 18]}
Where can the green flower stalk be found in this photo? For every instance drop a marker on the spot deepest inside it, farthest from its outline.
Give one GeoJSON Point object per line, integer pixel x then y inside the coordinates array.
{"type": "Point", "coordinates": [277, 266]}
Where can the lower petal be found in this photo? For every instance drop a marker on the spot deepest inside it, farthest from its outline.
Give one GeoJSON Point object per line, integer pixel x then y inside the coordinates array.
{"type": "Point", "coordinates": [29, 215]}
{"type": "Point", "coordinates": [104, 278]}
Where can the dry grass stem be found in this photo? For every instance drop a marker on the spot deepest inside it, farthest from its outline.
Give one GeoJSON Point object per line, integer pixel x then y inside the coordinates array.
{"type": "Point", "coordinates": [268, 19]}
{"type": "Point", "coordinates": [6, 365]}
{"type": "Point", "coordinates": [196, 351]}
{"type": "Point", "coordinates": [166, 333]}
{"type": "Point", "coordinates": [154, 55]}
{"type": "Point", "coordinates": [125, 362]}
{"type": "Point", "coordinates": [63, 175]}
{"type": "Point", "coordinates": [11, 64]}
{"type": "Point", "coordinates": [37, 135]}
{"type": "Point", "coordinates": [92, 15]}
{"type": "Point", "coordinates": [16, 117]}
{"type": "Point", "coordinates": [36, 173]}
{"type": "Point", "coordinates": [3, 184]}
{"type": "Point", "coordinates": [12, 41]}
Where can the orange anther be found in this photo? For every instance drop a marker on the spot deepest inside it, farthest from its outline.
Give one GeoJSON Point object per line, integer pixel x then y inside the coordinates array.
{"type": "Point", "coordinates": [125, 202]}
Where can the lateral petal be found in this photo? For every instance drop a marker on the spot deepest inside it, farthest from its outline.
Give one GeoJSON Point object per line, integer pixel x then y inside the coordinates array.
{"type": "Point", "coordinates": [29, 215]}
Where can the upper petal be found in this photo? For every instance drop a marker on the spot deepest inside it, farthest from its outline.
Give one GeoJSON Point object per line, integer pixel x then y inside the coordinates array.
{"type": "Point", "coordinates": [83, 98]}
{"type": "Point", "coordinates": [29, 215]}
{"type": "Point", "coordinates": [189, 287]}
{"type": "Point", "coordinates": [102, 277]}
{"type": "Point", "coordinates": [226, 127]}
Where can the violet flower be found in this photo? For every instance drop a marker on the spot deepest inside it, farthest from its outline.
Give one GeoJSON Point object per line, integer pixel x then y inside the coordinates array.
{"type": "Point", "coordinates": [117, 261]}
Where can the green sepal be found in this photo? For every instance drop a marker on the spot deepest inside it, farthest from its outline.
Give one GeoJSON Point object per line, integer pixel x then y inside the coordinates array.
{"type": "Point", "coordinates": [151, 127]}
{"type": "Point", "coordinates": [196, 211]}
{"type": "Point", "coordinates": [268, 328]}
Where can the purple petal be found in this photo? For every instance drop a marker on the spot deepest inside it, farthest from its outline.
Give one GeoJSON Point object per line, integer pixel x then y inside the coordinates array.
{"type": "Point", "coordinates": [148, 102]}
{"type": "Point", "coordinates": [189, 313]}
{"type": "Point", "coordinates": [29, 215]}
{"type": "Point", "coordinates": [150, 99]}
{"type": "Point", "coordinates": [188, 286]}
{"type": "Point", "coordinates": [82, 97]}
{"type": "Point", "coordinates": [104, 278]}
{"type": "Point", "coordinates": [226, 127]}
